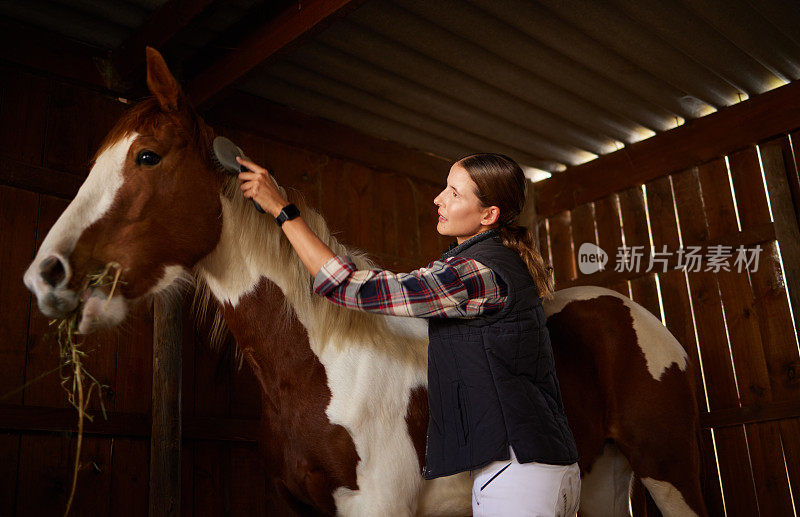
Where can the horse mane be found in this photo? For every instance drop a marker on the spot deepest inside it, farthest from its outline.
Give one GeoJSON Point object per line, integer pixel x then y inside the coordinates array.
{"type": "Point", "coordinates": [265, 244]}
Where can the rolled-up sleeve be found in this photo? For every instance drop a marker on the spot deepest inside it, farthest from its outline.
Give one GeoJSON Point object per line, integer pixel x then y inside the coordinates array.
{"type": "Point", "coordinates": [454, 288]}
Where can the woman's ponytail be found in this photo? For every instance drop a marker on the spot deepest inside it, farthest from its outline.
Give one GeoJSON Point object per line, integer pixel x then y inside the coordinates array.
{"type": "Point", "coordinates": [521, 240]}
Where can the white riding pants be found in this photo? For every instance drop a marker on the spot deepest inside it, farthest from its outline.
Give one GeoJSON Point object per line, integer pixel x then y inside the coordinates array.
{"type": "Point", "coordinates": [510, 489]}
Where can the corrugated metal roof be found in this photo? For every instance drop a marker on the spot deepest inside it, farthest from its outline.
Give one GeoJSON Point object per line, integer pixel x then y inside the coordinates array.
{"type": "Point", "coordinates": [552, 83]}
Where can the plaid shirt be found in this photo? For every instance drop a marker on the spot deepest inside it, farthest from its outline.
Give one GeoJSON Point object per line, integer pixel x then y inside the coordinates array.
{"type": "Point", "coordinates": [454, 288]}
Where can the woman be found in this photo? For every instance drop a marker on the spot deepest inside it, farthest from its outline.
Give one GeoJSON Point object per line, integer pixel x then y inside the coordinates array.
{"type": "Point", "coordinates": [494, 399]}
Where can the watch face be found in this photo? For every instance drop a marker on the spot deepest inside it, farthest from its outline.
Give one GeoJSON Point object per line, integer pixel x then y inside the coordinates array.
{"type": "Point", "coordinates": [291, 211]}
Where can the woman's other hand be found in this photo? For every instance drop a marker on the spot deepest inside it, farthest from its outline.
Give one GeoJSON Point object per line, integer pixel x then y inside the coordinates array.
{"type": "Point", "coordinates": [258, 185]}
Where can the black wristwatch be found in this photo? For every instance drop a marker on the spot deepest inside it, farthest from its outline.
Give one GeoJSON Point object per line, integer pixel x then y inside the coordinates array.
{"type": "Point", "coordinates": [288, 213]}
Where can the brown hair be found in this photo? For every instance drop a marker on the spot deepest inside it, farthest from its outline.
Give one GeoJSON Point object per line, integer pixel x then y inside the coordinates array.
{"type": "Point", "coordinates": [502, 183]}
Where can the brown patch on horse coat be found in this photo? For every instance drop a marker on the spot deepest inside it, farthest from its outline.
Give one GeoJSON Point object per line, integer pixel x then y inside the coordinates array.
{"type": "Point", "coordinates": [417, 421]}
{"type": "Point", "coordinates": [608, 392]}
{"type": "Point", "coordinates": [308, 454]}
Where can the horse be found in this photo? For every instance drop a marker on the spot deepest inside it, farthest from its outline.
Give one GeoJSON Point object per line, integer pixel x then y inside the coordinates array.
{"type": "Point", "coordinates": [343, 393]}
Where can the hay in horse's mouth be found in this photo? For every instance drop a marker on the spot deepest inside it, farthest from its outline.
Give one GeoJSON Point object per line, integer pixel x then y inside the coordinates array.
{"type": "Point", "coordinates": [70, 355]}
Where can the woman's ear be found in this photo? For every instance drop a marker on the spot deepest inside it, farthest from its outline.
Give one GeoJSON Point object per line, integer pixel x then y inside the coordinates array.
{"type": "Point", "coordinates": [490, 216]}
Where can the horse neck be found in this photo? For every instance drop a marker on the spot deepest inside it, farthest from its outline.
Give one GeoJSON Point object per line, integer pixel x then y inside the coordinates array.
{"type": "Point", "coordinates": [253, 250]}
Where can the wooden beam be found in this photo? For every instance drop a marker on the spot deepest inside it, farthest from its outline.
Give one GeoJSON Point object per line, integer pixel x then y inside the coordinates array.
{"type": "Point", "coordinates": [165, 437]}
{"type": "Point", "coordinates": [264, 118]}
{"type": "Point", "coordinates": [293, 24]}
{"type": "Point", "coordinates": [697, 141]}
{"type": "Point", "coordinates": [156, 31]}
{"type": "Point", "coordinates": [38, 179]}
{"type": "Point", "coordinates": [128, 425]}
{"type": "Point", "coordinates": [746, 415]}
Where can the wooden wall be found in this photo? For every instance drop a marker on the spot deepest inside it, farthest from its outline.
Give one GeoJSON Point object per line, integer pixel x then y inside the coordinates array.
{"type": "Point", "coordinates": [736, 325]}
{"type": "Point", "coordinates": [49, 130]}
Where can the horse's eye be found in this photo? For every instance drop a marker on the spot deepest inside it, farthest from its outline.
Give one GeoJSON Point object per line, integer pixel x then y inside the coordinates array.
{"type": "Point", "coordinates": [147, 157]}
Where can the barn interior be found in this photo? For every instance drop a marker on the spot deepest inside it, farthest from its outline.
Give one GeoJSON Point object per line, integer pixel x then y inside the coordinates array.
{"type": "Point", "coordinates": [660, 124]}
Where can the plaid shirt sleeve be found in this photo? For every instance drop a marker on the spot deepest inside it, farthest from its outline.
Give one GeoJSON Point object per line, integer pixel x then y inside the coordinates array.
{"type": "Point", "coordinates": [454, 288]}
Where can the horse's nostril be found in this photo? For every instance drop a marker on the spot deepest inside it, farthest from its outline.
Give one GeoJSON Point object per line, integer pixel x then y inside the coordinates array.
{"type": "Point", "coordinates": [52, 271]}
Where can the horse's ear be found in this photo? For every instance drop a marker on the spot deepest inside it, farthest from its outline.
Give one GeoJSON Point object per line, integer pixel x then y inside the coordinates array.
{"type": "Point", "coordinates": [161, 82]}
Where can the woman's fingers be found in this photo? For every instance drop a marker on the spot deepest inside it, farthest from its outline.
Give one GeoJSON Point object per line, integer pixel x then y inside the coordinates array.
{"type": "Point", "coordinates": [249, 176]}
{"type": "Point", "coordinates": [252, 166]}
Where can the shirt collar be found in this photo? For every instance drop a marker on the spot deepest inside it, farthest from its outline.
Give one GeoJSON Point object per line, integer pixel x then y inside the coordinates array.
{"type": "Point", "coordinates": [455, 248]}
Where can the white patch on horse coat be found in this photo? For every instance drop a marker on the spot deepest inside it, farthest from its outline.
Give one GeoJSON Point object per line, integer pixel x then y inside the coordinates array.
{"type": "Point", "coordinates": [92, 201]}
{"type": "Point", "coordinates": [659, 346]}
{"type": "Point", "coordinates": [173, 275]}
{"type": "Point", "coordinates": [668, 498]}
{"type": "Point", "coordinates": [227, 270]}
{"type": "Point", "coordinates": [605, 488]}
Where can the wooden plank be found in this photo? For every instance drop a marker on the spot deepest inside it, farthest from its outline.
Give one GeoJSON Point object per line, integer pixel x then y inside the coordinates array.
{"type": "Point", "coordinates": [699, 140]}
{"type": "Point", "coordinates": [407, 222]}
{"type": "Point", "coordinates": [713, 491]}
{"type": "Point", "coordinates": [71, 140]}
{"type": "Point", "coordinates": [731, 445]}
{"type": "Point", "coordinates": [129, 477]}
{"type": "Point", "coordinates": [248, 498]}
{"type": "Point", "coordinates": [292, 127]}
{"type": "Point", "coordinates": [211, 478]}
{"type": "Point", "coordinates": [791, 451]}
{"type": "Point", "coordinates": [786, 228]}
{"type": "Point", "coordinates": [297, 22]}
{"type": "Point", "coordinates": [131, 425]}
{"type": "Point", "coordinates": [23, 112]}
{"type": "Point", "coordinates": [561, 248]}
{"type": "Point", "coordinates": [390, 236]}
{"type": "Point", "coordinates": [791, 155]}
{"type": "Point", "coordinates": [634, 227]}
{"type": "Point", "coordinates": [582, 222]}
{"type": "Point", "coordinates": [38, 179]}
{"type": "Point", "coordinates": [9, 466]}
{"type": "Point", "coordinates": [165, 439]}
{"type": "Point", "coordinates": [18, 214]}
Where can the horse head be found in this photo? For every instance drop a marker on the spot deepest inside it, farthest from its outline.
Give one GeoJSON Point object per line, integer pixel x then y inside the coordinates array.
{"type": "Point", "coordinates": [136, 213]}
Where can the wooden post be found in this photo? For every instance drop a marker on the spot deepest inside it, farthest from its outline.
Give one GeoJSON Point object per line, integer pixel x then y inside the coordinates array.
{"type": "Point", "coordinates": [165, 438]}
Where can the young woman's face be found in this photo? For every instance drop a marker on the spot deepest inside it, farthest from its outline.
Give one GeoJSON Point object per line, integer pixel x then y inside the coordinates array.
{"type": "Point", "coordinates": [460, 212]}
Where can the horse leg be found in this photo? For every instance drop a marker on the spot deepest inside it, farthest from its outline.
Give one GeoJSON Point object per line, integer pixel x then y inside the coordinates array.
{"type": "Point", "coordinates": [670, 473]}
{"type": "Point", "coordinates": [605, 486]}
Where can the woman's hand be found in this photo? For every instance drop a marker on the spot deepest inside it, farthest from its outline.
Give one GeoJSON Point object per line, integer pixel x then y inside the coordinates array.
{"type": "Point", "coordinates": [258, 185]}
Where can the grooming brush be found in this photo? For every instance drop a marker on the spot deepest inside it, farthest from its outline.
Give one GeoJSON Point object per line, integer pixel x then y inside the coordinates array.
{"type": "Point", "coordinates": [226, 152]}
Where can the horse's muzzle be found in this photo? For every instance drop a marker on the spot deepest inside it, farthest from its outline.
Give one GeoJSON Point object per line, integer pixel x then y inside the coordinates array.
{"type": "Point", "coordinates": [47, 279]}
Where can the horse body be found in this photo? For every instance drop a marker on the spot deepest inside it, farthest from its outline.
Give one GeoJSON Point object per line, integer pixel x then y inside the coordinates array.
{"type": "Point", "coordinates": [343, 392]}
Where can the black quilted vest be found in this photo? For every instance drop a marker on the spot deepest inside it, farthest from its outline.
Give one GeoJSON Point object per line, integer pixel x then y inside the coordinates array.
{"type": "Point", "coordinates": [492, 379]}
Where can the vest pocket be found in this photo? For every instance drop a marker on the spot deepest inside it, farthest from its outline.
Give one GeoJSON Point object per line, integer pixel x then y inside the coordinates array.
{"type": "Point", "coordinates": [462, 414]}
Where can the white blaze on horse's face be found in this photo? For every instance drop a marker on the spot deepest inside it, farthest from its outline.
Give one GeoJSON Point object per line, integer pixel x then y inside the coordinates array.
{"type": "Point", "coordinates": [49, 274]}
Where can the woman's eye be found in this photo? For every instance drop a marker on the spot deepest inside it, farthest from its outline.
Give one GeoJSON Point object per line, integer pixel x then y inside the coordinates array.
{"type": "Point", "coordinates": [147, 157]}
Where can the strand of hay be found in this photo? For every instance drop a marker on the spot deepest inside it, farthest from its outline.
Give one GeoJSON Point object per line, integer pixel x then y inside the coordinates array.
{"type": "Point", "coordinates": [71, 357]}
